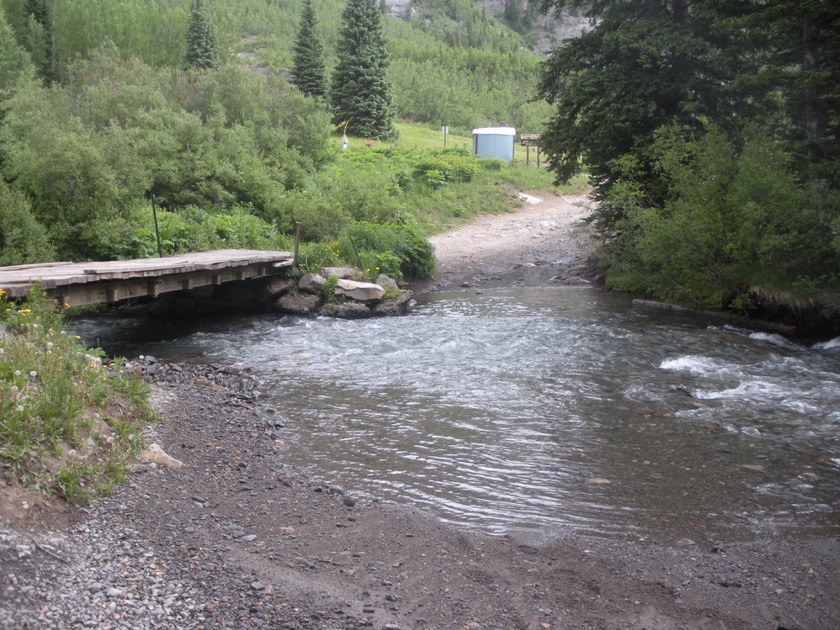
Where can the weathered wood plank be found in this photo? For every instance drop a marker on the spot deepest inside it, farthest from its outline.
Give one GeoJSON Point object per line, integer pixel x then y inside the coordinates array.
{"type": "Point", "coordinates": [105, 281]}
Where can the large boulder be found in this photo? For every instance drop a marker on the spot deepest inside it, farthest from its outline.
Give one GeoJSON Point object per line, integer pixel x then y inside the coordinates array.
{"type": "Point", "coordinates": [386, 282]}
{"type": "Point", "coordinates": [296, 303]}
{"type": "Point", "coordinates": [311, 283]}
{"type": "Point", "coordinates": [400, 305]}
{"type": "Point", "coordinates": [342, 273]}
{"type": "Point", "coordinates": [347, 310]}
{"type": "Point", "coordinates": [360, 291]}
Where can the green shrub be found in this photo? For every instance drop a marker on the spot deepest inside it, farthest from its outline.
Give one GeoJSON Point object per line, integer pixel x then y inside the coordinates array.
{"type": "Point", "coordinates": [22, 239]}
{"type": "Point", "coordinates": [53, 396]}
{"type": "Point", "coordinates": [736, 218]}
{"type": "Point", "coordinates": [315, 256]}
{"type": "Point", "coordinates": [447, 167]}
{"type": "Point", "coordinates": [415, 254]}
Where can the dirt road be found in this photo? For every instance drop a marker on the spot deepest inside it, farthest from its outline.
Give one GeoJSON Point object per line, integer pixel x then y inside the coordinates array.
{"type": "Point", "coordinates": [544, 243]}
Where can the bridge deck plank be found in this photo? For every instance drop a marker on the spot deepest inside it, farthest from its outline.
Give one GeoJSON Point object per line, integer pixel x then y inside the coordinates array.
{"type": "Point", "coordinates": [15, 280]}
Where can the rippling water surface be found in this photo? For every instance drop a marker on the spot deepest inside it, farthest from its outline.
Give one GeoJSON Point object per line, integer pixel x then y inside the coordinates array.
{"type": "Point", "coordinates": [544, 410]}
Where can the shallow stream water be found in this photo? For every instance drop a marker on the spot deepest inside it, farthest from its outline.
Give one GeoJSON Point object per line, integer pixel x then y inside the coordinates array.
{"type": "Point", "coordinates": [543, 410]}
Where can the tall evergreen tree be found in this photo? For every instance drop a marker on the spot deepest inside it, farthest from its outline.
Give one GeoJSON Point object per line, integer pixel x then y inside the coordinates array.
{"type": "Point", "coordinates": [14, 61]}
{"type": "Point", "coordinates": [309, 73]}
{"type": "Point", "coordinates": [732, 63]}
{"type": "Point", "coordinates": [202, 44]}
{"type": "Point", "coordinates": [360, 91]}
{"type": "Point", "coordinates": [39, 37]}
{"type": "Point", "coordinates": [645, 65]}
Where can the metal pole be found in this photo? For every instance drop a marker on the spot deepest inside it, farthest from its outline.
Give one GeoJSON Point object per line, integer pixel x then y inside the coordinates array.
{"type": "Point", "coordinates": [157, 231]}
{"type": "Point", "coordinates": [297, 242]}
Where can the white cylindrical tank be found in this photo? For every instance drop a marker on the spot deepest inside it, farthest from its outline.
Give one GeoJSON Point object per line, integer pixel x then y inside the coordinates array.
{"type": "Point", "coordinates": [494, 142]}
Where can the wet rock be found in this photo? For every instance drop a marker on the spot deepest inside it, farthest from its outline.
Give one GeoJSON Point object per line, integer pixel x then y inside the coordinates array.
{"type": "Point", "coordinates": [348, 310]}
{"type": "Point", "coordinates": [311, 283]}
{"type": "Point", "coordinates": [296, 303]}
{"type": "Point", "coordinates": [274, 288]}
{"type": "Point", "coordinates": [400, 305]}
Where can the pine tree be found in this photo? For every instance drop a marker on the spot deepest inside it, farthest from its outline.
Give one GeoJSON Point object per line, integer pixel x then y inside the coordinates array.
{"type": "Point", "coordinates": [39, 37]}
{"type": "Point", "coordinates": [361, 93]}
{"type": "Point", "coordinates": [14, 61]}
{"type": "Point", "coordinates": [513, 14]}
{"type": "Point", "coordinates": [202, 45]}
{"type": "Point", "coordinates": [309, 74]}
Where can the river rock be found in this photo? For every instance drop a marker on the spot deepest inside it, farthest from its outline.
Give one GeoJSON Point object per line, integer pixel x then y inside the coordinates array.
{"type": "Point", "coordinates": [348, 310]}
{"type": "Point", "coordinates": [295, 303]}
{"type": "Point", "coordinates": [154, 453]}
{"type": "Point", "coordinates": [270, 289]}
{"type": "Point", "coordinates": [400, 305]}
{"type": "Point", "coordinates": [360, 291]}
{"type": "Point", "coordinates": [342, 273]}
{"type": "Point", "coordinates": [386, 282]}
{"type": "Point", "coordinates": [311, 283]}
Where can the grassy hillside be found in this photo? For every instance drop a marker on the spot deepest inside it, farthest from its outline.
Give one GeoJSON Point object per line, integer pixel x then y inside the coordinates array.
{"type": "Point", "coordinates": [106, 116]}
{"type": "Point", "coordinates": [452, 63]}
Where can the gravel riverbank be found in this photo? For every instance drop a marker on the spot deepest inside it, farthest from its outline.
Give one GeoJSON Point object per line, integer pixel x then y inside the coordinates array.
{"type": "Point", "coordinates": [239, 537]}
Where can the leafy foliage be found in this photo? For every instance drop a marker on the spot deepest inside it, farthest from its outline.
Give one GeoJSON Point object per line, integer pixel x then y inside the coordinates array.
{"type": "Point", "coordinates": [22, 239]}
{"type": "Point", "coordinates": [734, 218]}
{"type": "Point", "coordinates": [751, 90]}
{"type": "Point", "coordinates": [54, 396]}
{"type": "Point", "coordinates": [383, 242]}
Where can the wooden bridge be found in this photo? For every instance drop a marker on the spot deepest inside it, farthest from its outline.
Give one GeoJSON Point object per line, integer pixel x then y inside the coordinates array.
{"type": "Point", "coordinates": [77, 284]}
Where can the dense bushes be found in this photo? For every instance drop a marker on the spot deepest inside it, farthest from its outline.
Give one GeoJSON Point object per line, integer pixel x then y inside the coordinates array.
{"type": "Point", "coordinates": [395, 250]}
{"type": "Point", "coordinates": [88, 156]}
{"type": "Point", "coordinates": [735, 218]}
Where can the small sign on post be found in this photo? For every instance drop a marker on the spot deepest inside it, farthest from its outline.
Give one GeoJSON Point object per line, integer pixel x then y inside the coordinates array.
{"type": "Point", "coordinates": [529, 140]}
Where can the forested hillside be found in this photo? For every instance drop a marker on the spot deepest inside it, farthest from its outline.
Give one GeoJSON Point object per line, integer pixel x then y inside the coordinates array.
{"type": "Point", "coordinates": [109, 104]}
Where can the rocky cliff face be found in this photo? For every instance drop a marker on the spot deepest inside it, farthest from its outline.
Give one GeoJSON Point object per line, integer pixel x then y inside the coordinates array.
{"type": "Point", "coordinates": [552, 29]}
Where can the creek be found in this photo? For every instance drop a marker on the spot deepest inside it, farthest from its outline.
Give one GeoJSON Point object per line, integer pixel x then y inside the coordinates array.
{"type": "Point", "coordinates": [544, 410]}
